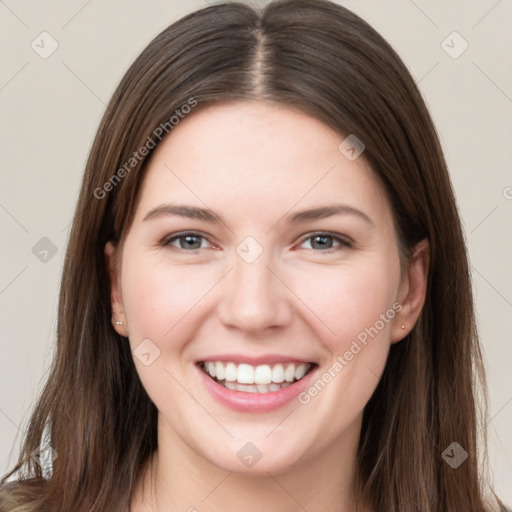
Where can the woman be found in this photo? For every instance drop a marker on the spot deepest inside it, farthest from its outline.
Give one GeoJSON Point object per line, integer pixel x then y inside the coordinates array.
{"type": "Point", "coordinates": [266, 301]}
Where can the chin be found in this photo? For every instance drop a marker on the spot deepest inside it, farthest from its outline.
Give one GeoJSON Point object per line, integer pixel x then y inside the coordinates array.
{"type": "Point", "coordinates": [258, 457]}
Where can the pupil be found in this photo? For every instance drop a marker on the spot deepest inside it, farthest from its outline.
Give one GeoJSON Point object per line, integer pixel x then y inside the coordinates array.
{"type": "Point", "coordinates": [323, 244]}
{"type": "Point", "coordinates": [190, 241]}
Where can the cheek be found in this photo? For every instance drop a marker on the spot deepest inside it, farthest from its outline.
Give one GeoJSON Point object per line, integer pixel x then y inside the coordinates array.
{"type": "Point", "coordinates": [159, 299]}
{"type": "Point", "coordinates": [350, 299]}
{"type": "Point", "coordinates": [162, 303]}
{"type": "Point", "coordinates": [357, 304]}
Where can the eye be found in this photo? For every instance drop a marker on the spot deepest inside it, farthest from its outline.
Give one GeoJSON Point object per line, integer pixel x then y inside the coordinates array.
{"type": "Point", "coordinates": [188, 241]}
{"type": "Point", "coordinates": [326, 242]}
{"type": "Point", "coordinates": [320, 242]}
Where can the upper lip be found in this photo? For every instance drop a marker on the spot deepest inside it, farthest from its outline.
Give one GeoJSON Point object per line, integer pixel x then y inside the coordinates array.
{"type": "Point", "coordinates": [252, 360]}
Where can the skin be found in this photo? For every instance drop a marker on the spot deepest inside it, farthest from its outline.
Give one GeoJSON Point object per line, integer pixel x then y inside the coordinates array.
{"type": "Point", "coordinates": [252, 164]}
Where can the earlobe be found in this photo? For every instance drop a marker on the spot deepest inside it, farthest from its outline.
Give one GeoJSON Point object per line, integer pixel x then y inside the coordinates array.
{"type": "Point", "coordinates": [116, 302]}
{"type": "Point", "coordinates": [413, 291]}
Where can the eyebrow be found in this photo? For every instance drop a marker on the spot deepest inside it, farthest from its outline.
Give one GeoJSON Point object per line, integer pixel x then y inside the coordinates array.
{"type": "Point", "coordinates": [207, 215]}
{"type": "Point", "coordinates": [190, 212]}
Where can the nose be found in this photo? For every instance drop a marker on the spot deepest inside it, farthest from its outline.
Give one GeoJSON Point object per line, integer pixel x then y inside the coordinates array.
{"type": "Point", "coordinates": [254, 297]}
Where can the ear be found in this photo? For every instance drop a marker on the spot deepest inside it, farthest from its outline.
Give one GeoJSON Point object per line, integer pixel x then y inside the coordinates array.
{"type": "Point", "coordinates": [413, 291]}
{"type": "Point", "coordinates": [116, 299]}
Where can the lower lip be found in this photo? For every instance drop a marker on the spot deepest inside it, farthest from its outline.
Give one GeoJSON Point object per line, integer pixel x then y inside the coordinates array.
{"type": "Point", "coordinates": [255, 402]}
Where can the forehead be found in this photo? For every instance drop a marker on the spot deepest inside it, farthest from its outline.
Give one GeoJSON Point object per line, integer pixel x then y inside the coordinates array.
{"type": "Point", "coordinates": [240, 157]}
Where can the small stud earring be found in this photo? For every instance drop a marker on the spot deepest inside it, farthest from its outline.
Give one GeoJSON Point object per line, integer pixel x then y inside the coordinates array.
{"type": "Point", "coordinates": [402, 326]}
{"type": "Point", "coordinates": [115, 322]}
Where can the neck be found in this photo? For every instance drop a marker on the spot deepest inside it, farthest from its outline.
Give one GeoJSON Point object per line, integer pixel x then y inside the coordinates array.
{"type": "Point", "coordinates": [178, 479]}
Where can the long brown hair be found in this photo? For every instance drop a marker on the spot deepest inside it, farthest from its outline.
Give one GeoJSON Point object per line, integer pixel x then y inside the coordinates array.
{"type": "Point", "coordinates": [318, 57]}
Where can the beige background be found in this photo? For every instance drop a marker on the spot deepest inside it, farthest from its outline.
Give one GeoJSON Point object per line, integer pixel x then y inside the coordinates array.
{"type": "Point", "coordinates": [51, 108]}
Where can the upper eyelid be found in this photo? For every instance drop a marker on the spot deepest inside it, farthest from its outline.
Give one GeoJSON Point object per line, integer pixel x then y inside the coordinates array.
{"type": "Point", "coordinates": [175, 236]}
{"type": "Point", "coordinates": [179, 234]}
{"type": "Point", "coordinates": [339, 237]}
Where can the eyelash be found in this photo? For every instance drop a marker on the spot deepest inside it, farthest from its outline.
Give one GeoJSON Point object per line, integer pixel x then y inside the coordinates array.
{"type": "Point", "coordinates": [344, 243]}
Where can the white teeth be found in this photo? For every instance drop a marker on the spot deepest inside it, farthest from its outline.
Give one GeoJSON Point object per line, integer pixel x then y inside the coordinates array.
{"type": "Point", "coordinates": [230, 385]}
{"type": "Point", "coordinates": [245, 374]}
{"type": "Point", "coordinates": [278, 373]}
{"type": "Point", "coordinates": [299, 372]}
{"type": "Point", "coordinates": [250, 388]}
{"type": "Point", "coordinates": [263, 374]}
{"type": "Point", "coordinates": [219, 371]}
{"type": "Point", "coordinates": [255, 379]}
{"type": "Point", "coordinates": [289, 373]}
{"type": "Point", "coordinates": [230, 372]}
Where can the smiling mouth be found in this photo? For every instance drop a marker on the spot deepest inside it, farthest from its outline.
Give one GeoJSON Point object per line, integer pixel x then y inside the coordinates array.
{"type": "Point", "coordinates": [263, 378]}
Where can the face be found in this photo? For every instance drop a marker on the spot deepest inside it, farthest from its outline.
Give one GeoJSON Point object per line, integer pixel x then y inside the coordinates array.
{"type": "Point", "coordinates": [260, 287]}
